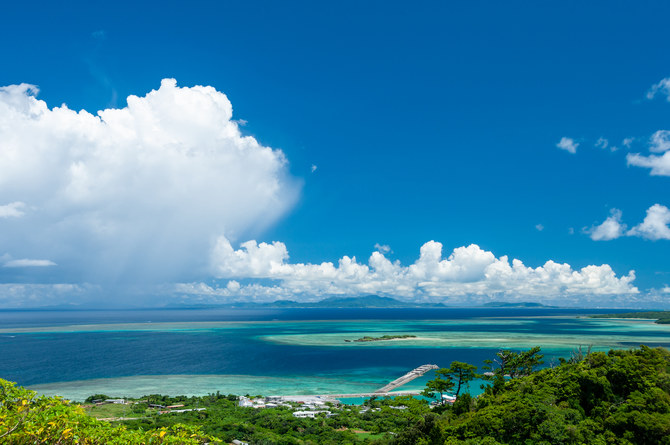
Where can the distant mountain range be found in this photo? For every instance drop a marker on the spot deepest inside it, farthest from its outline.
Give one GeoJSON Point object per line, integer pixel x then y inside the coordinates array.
{"type": "Point", "coordinates": [504, 304]}
{"type": "Point", "coordinates": [368, 301]}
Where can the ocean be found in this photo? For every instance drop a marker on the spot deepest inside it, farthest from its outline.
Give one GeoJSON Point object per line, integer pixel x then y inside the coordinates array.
{"type": "Point", "coordinates": [281, 351]}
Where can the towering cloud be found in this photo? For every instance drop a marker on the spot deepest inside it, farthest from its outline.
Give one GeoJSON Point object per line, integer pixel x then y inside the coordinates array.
{"type": "Point", "coordinates": [137, 193]}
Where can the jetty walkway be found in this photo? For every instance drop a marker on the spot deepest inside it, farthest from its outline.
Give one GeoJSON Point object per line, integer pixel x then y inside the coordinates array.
{"type": "Point", "coordinates": [381, 392]}
{"type": "Point", "coordinates": [414, 373]}
{"type": "Point", "coordinates": [369, 394]}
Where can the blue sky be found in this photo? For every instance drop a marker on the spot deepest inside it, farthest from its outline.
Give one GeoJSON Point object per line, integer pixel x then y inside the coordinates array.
{"type": "Point", "coordinates": [389, 124]}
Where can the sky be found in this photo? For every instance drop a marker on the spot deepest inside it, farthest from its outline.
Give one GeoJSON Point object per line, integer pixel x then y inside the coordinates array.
{"type": "Point", "coordinates": [170, 153]}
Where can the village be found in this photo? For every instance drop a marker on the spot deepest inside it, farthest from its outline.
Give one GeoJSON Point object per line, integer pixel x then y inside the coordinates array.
{"type": "Point", "coordinates": [303, 406]}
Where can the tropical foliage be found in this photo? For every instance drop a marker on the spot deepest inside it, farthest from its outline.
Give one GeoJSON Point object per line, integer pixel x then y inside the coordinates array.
{"type": "Point", "coordinates": [621, 398]}
{"type": "Point", "coordinates": [26, 418]}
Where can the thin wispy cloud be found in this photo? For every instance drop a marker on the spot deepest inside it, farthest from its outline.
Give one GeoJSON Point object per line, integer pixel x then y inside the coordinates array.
{"type": "Point", "coordinates": [99, 34]}
{"type": "Point", "coordinates": [662, 88]}
{"type": "Point", "coordinates": [29, 263]}
{"type": "Point", "coordinates": [568, 144]}
{"type": "Point", "coordinates": [602, 143]}
{"type": "Point", "coordinates": [383, 248]}
{"type": "Point", "coordinates": [12, 210]}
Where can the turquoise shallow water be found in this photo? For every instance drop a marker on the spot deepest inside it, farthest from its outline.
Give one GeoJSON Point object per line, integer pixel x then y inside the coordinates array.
{"type": "Point", "coordinates": [280, 351]}
{"type": "Point", "coordinates": [138, 386]}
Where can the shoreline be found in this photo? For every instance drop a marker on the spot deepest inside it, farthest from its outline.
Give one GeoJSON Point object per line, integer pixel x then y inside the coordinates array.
{"type": "Point", "coordinates": [202, 385]}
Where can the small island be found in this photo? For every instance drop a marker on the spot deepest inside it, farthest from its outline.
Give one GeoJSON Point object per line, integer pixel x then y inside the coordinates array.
{"type": "Point", "coordinates": [661, 317]}
{"type": "Point", "coordinates": [382, 338]}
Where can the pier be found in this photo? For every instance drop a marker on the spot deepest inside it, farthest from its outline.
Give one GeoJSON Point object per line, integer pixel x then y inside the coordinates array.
{"type": "Point", "coordinates": [418, 372]}
{"type": "Point", "coordinates": [372, 394]}
{"type": "Point", "coordinates": [385, 391]}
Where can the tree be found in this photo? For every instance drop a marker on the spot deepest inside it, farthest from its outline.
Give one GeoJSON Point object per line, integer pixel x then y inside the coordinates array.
{"type": "Point", "coordinates": [516, 364]}
{"type": "Point", "coordinates": [620, 397]}
{"type": "Point", "coordinates": [462, 373]}
{"type": "Point", "coordinates": [527, 361]}
{"type": "Point", "coordinates": [90, 399]}
{"type": "Point", "coordinates": [441, 384]}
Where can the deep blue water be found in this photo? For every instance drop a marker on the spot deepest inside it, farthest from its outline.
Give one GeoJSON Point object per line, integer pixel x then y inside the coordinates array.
{"type": "Point", "coordinates": [43, 357]}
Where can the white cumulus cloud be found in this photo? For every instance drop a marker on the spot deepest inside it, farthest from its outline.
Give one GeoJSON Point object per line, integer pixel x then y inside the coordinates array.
{"type": "Point", "coordinates": [655, 224]}
{"type": "Point", "coordinates": [467, 273]}
{"type": "Point", "coordinates": [611, 228]}
{"type": "Point", "coordinates": [141, 192]}
{"type": "Point", "coordinates": [659, 142]}
{"type": "Point", "coordinates": [654, 227]}
{"type": "Point", "coordinates": [568, 144]}
{"type": "Point", "coordinates": [659, 165]}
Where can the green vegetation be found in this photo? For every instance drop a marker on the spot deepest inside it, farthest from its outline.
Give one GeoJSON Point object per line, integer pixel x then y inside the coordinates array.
{"type": "Point", "coordinates": [621, 398]}
{"type": "Point", "coordinates": [382, 338]}
{"type": "Point", "coordinates": [661, 317]}
{"type": "Point", "coordinates": [110, 410]}
{"type": "Point", "coordinates": [346, 425]}
{"type": "Point", "coordinates": [461, 373]}
{"type": "Point", "coordinates": [457, 375]}
{"type": "Point", "coordinates": [439, 386]}
{"type": "Point", "coordinates": [26, 418]}
{"type": "Point", "coordinates": [514, 364]}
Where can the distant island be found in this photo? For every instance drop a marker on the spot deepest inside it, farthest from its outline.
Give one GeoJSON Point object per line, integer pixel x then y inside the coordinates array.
{"type": "Point", "coordinates": [524, 304]}
{"type": "Point", "coordinates": [661, 317]}
{"type": "Point", "coordinates": [368, 301]}
{"type": "Point", "coordinates": [363, 302]}
{"type": "Point", "coordinates": [382, 338]}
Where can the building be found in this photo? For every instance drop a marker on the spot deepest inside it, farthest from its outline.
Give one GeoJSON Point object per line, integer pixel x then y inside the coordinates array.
{"type": "Point", "coordinates": [310, 414]}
